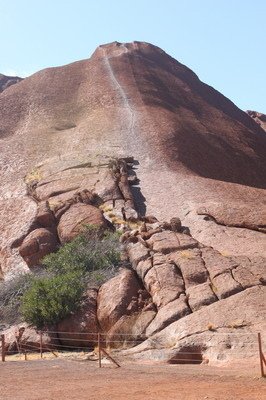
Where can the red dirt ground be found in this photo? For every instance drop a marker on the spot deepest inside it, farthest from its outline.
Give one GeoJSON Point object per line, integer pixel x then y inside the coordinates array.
{"type": "Point", "coordinates": [79, 380]}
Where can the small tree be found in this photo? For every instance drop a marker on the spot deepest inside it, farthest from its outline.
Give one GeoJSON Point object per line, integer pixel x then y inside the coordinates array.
{"type": "Point", "coordinates": [49, 300]}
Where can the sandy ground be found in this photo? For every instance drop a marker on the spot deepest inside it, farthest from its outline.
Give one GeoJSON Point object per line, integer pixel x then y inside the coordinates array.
{"type": "Point", "coordinates": [79, 380]}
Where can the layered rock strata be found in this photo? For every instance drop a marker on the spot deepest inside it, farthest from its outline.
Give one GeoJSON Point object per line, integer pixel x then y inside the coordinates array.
{"type": "Point", "coordinates": [69, 196]}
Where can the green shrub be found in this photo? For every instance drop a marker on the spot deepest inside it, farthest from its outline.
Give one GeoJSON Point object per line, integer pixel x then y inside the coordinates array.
{"type": "Point", "coordinates": [91, 258]}
{"type": "Point", "coordinates": [93, 250]}
{"type": "Point", "coordinates": [49, 300]}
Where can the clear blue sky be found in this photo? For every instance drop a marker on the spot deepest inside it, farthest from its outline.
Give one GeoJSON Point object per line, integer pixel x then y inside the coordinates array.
{"type": "Point", "coordinates": [223, 41]}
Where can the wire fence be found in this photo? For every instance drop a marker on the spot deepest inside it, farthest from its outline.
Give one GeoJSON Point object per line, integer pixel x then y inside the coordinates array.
{"type": "Point", "coordinates": [98, 346]}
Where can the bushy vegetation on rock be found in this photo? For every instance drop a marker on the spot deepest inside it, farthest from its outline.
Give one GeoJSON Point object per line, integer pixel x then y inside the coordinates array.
{"type": "Point", "coordinates": [43, 299]}
{"type": "Point", "coordinates": [94, 250]}
{"type": "Point", "coordinates": [48, 300]}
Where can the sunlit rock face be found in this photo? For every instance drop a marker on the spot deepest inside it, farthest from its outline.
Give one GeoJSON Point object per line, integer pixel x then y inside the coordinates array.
{"type": "Point", "coordinates": [131, 139]}
{"type": "Point", "coordinates": [196, 155]}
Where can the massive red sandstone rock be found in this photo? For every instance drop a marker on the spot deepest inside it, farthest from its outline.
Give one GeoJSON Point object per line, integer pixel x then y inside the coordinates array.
{"type": "Point", "coordinates": [240, 215]}
{"type": "Point", "coordinates": [137, 252]}
{"type": "Point", "coordinates": [164, 283]}
{"type": "Point", "coordinates": [197, 156]}
{"type": "Point", "coordinates": [166, 242]}
{"type": "Point", "coordinates": [193, 146]}
{"type": "Point", "coordinates": [200, 295]}
{"type": "Point", "coordinates": [81, 327]}
{"type": "Point", "coordinates": [179, 283]}
{"type": "Point", "coordinates": [130, 330]}
{"type": "Point", "coordinates": [75, 219]}
{"type": "Point", "coordinates": [223, 331]}
{"type": "Point", "coordinates": [186, 281]}
{"type": "Point", "coordinates": [171, 312]}
{"type": "Point", "coordinates": [216, 263]}
{"type": "Point", "coordinates": [45, 218]}
{"type": "Point", "coordinates": [38, 244]}
{"type": "Point", "coordinates": [115, 298]}
{"type": "Point", "coordinates": [191, 266]}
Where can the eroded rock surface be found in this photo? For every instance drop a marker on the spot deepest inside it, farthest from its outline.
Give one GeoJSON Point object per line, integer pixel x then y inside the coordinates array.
{"type": "Point", "coordinates": [260, 118]}
{"type": "Point", "coordinates": [6, 81]}
{"type": "Point", "coordinates": [38, 244]}
{"type": "Point", "coordinates": [78, 195]}
{"type": "Point", "coordinates": [169, 300]}
{"type": "Point", "coordinates": [184, 277]}
{"type": "Point", "coordinates": [120, 296]}
{"type": "Point", "coordinates": [241, 215]}
{"type": "Point", "coordinates": [167, 314]}
{"type": "Point", "coordinates": [75, 219]}
{"type": "Point", "coordinates": [81, 327]}
{"type": "Point", "coordinates": [223, 331]}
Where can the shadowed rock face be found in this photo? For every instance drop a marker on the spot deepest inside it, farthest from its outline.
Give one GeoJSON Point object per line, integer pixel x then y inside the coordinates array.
{"type": "Point", "coordinates": [195, 149]}
{"type": "Point", "coordinates": [258, 117]}
{"type": "Point", "coordinates": [6, 81]}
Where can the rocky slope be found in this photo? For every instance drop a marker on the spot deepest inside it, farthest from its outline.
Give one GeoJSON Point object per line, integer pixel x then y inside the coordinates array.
{"type": "Point", "coordinates": [128, 133]}
{"type": "Point", "coordinates": [177, 298]}
{"type": "Point", "coordinates": [258, 117]}
{"type": "Point", "coordinates": [194, 148]}
{"type": "Point", "coordinates": [6, 81]}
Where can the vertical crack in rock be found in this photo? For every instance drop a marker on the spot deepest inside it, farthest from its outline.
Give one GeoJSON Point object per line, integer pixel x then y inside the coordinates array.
{"type": "Point", "coordinates": [184, 283]}
{"type": "Point", "coordinates": [207, 271]}
{"type": "Point", "coordinates": [233, 277]}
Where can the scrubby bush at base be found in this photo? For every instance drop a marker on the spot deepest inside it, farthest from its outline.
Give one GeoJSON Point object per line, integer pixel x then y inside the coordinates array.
{"type": "Point", "coordinates": [91, 258]}
{"type": "Point", "coordinates": [51, 299]}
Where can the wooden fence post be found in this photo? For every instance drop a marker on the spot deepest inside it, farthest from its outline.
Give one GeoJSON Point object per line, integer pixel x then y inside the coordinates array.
{"type": "Point", "coordinates": [100, 351]}
{"type": "Point", "coordinates": [262, 358]}
{"type": "Point", "coordinates": [110, 358]}
{"type": "Point", "coordinates": [3, 347]}
{"type": "Point", "coordinates": [41, 345]}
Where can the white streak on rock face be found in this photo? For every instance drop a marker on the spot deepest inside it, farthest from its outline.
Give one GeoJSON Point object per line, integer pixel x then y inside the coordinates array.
{"type": "Point", "coordinates": [130, 134]}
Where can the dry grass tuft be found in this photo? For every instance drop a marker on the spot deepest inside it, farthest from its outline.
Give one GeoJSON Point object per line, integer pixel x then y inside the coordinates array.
{"type": "Point", "coordinates": [211, 327]}
{"type": "Point", "coordinates": [34, 175]}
